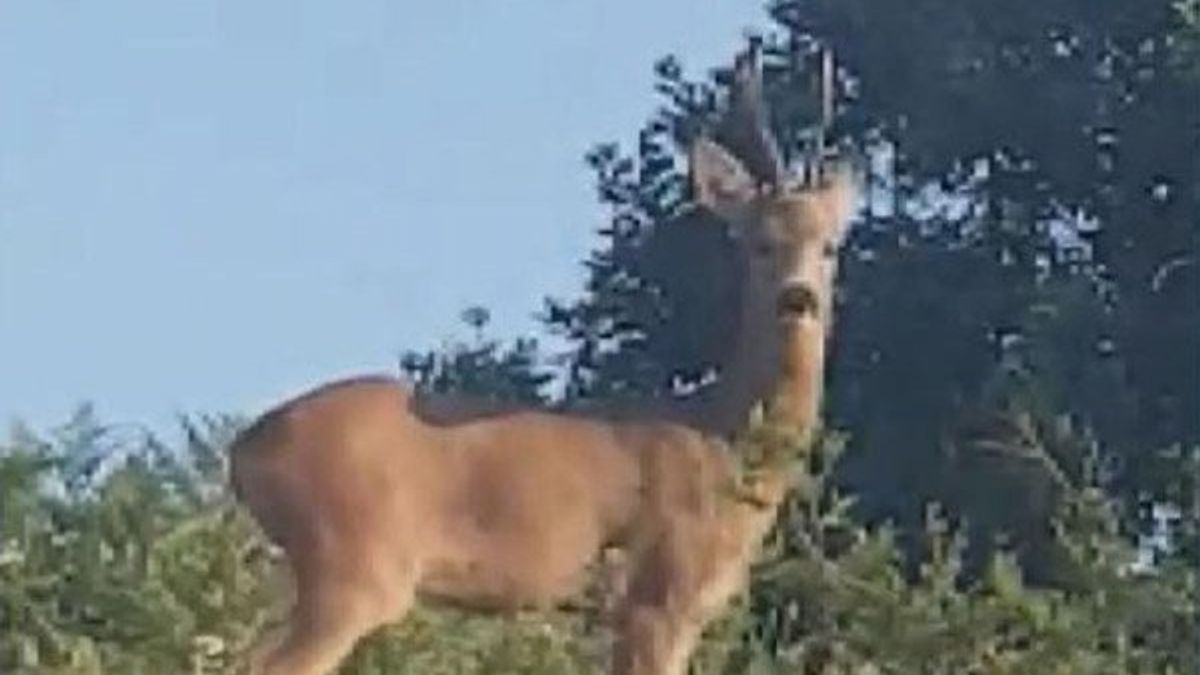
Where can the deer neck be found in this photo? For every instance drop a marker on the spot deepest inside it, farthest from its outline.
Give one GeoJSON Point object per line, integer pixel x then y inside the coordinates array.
{"type": "Point", "coordinates": [777, 366]}
{"type": "Point", "coordinates": [796, 393]}
{"type": "Point", "coordinates": [780, 367]}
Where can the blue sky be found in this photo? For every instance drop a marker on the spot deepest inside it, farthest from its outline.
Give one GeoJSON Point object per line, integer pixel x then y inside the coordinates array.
{"type": "Point", "coordinates": [207, 205]}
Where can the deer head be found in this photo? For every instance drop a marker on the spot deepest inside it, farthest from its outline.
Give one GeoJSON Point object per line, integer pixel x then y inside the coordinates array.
{"type": "Point", "coordinates": [788, 228]}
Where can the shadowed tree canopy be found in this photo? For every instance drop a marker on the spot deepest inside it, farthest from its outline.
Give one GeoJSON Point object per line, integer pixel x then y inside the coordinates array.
{"type": "Point", "coordinates": [1019, 309]}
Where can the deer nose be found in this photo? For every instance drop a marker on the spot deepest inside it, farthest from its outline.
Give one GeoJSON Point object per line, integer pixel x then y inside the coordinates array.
{"type": "Point", "coordinates": [797, 301]}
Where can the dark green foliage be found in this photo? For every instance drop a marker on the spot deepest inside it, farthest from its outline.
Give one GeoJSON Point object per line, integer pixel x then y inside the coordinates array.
{"type": "Point", "coordinates": [831, 597]}
{"type": "Point", "coordinates": [121, 555]}
{"type": "Point", "coordinates": [145, 576]}
{"type": "Point", "coordinates": [1042, 115]}
{"type": "Point", "coordinates": [482, 367]}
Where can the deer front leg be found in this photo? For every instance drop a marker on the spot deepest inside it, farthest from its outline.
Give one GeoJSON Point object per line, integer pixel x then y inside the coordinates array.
{"type": "Point", "coordinates": [650, 640]}
{"type": "Point", "coordinates": [674, 590]}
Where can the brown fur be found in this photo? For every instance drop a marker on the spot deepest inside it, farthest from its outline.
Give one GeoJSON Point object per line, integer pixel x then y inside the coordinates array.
{"type": "Point", "coordinates": [379, 499]}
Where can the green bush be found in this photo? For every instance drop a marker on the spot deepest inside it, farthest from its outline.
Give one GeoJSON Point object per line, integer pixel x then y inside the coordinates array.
{"type": "Point", "coordinates": [123, 555]}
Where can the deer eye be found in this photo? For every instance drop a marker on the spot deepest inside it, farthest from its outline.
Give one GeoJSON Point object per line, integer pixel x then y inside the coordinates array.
{"type": "Point", "coordinates": [829, 251]}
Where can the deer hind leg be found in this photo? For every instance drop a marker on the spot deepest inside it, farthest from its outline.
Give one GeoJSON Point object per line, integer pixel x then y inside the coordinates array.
{"type": "Point", "coordinates": [328, 619]}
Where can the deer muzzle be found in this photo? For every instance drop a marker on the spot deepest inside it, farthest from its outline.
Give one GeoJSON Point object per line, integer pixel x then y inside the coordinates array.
{"type": "Point", "coordinates": [797, 301]}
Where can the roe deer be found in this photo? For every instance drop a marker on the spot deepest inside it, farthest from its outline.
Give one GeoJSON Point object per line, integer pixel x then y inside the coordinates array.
{"type": "Point", "coordinates": [376, 505]}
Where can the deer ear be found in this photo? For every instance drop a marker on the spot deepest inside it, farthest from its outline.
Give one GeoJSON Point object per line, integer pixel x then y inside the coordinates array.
{"type": "Point", "coordinates": [719, 181]}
